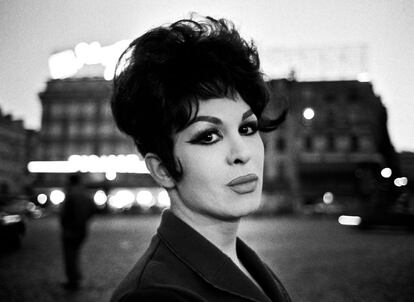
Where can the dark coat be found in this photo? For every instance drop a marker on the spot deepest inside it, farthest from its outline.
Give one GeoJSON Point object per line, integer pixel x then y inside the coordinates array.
{"type": "Point", "coordinates": [76, 212]}
{"type": "Point", "coordinates": [181, 265]}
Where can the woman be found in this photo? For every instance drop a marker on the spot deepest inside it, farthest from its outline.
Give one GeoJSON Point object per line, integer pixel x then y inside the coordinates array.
{"type": "Point", "coordinates": [191, 95]}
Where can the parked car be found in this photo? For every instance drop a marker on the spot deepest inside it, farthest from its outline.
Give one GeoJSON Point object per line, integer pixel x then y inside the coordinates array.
{"type": "Point", "coordinates": [13, 214]}
{"type": "Point", "coordinates": [12, 230]}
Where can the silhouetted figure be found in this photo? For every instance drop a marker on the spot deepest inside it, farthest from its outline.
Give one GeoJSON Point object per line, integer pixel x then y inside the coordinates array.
{"type": "Point", "coordinates": [76, 211]}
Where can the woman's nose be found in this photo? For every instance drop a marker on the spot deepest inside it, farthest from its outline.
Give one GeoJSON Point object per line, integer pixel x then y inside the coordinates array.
{"type": "Point", "coordinates": [239, 152]}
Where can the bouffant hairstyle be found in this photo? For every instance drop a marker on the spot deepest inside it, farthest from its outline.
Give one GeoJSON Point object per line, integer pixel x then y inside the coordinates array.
{"type": "Point", "coordinates": [163, 74]}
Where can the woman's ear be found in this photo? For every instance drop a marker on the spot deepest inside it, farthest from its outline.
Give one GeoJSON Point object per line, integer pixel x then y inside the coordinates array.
{"type": "Point", "coordinates": [158, 171]}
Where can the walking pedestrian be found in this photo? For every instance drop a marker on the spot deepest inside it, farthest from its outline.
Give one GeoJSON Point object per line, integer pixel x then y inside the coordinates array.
{"type": "Point", "coordinates": [76, 212]}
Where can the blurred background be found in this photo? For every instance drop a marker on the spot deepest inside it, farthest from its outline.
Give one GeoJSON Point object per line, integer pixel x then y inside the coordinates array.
{"type": "Point", "coordinates": [343, 159]}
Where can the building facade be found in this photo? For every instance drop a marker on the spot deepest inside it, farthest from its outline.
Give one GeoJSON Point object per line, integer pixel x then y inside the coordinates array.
{"type": "Point", "coordinates": [16, 150]}
{"type": "Point", "coordinates": [77, 123]}
{"type": "Point", "coordinates": [331, 147]}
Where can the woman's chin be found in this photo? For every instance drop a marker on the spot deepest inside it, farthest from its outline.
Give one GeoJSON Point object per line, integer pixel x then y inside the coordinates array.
{"type": "Point", "coordinates": [243, 209]}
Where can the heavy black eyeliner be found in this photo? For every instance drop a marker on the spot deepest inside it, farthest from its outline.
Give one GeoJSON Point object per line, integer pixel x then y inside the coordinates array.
{"type": "Point", "coordinates": [198, 137]}
{"type": "Point", "coordinates": [254, 125]}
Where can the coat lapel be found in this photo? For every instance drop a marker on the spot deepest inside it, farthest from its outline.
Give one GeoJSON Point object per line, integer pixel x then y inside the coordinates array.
{"type": "Point", "coordinates": [210, 263]}
{"type": "Point", "coordinates": [261, 273]}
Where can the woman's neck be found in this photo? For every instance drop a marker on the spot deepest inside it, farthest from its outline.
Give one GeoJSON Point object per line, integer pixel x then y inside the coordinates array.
{"type": "Point", "coordinates": [221, 233]}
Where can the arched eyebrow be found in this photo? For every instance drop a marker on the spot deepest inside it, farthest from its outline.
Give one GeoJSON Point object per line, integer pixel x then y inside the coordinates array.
{"type": "Point", "coordinates": [247, 114]}
{"type": "Point", "coordinates": [215, 120]}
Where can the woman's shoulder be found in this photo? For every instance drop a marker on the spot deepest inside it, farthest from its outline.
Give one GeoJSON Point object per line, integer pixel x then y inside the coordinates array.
{"type": "Point", "coordinates": [158, 294]}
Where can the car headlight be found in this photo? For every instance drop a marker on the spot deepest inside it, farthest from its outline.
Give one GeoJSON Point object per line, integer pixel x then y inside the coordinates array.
{"type": "Point", "coordinates": [9, 219]}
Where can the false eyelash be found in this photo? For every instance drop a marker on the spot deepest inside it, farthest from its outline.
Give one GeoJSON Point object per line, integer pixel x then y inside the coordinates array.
{"type": "Point", "coordinates": [254, 125]}
{"type": "Point", "coordinates": [199, 137]}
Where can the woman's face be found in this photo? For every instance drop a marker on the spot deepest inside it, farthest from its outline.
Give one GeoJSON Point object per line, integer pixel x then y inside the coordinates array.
{"type": "Point", "coordinates": [221, 154]}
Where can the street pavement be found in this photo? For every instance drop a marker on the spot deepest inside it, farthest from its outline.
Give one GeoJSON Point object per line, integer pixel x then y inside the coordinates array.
{"type": "Point", "coordinates": [316, 259]}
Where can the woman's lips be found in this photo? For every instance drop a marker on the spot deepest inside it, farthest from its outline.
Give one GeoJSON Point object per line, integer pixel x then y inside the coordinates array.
{"type": "Point", "coordinates": [244, 184]}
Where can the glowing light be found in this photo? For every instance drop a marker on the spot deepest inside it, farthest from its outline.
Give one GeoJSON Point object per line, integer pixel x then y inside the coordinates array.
{"type": "Point", "coordinates": [363, 77]}
{"type": "Point", "coordinates": [401, 181]}
{"type": "Point", "coordinates": [328, 198]}
{"type": "Point", "coordinates": [67, 63]}
{"type": "Point", "coordinates": [57, 197]}
{"type": "Point", "coordinates": [308, 113]}
{"type": "Point", "coordinates": [386, 172]}
{"type": "Point", "coordinates": [130, 163]}
{"type": "Point", "coordinates": [10, 219]}
{"type": "Point", "coordinates": [41, 198]}
{"type": "Point", "coordinates": [121, 199]}
{"type": "Point", "coordinates": [110, 175]}
{"type": "Point", "coordinates": [349, 220]}
{"type": "Point", "coordinates": [164, 199]}
{"type": "Point", "coordinates": [100, 198]}
{"type": "Point", "coordinates": [145, 198]}
{"type": "Point", "coordinates": [51, 167]}
{"type": "Point", "coordinates": [63, 64]}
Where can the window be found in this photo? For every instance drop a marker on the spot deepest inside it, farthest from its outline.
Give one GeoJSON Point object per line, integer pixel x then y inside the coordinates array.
{"type": "Point", "coordinates": [308, 144]}
{"type": "Point", "coordinates": [72, 149]}
{"type": "Point", "coordinates": [366, 144]}
{"type": "Point", "coordinates": [88, 129]}
{"type": "Point", "coordinates": [73, 110]}
{"type": "Point", "coordinates": [107, 149]}
{"type": "Point", "coordinates": [106, 111]}
{"type": "Point", "coordinates": [343, 143]}
{"type": "Point", "coordinates": [107, 128]}
{"type": "Point", "coordinates": [55, 129]}
{"type": "Point", "coordinates": [88, 110]}
{"type": "Point", "coordinates": [56, 110]}
{"type": "Point", "coordinates": [74, 129]}
{"type": "Point", "coordinates": [320, 143]}
{"type": "Point", "coordinates": [86, 148]}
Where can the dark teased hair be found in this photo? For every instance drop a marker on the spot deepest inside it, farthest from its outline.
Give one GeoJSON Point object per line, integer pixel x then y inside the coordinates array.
{"type": "Point", "coordinates": [163, 74]}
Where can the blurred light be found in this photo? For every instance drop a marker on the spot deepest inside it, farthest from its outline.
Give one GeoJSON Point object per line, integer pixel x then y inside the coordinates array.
{"type": "Point", "coordinates": [130, 163]}
{"type": "Point", "coordinates": [110, 175]}
{"type": "Point", "coordinates": [100, 198]}
{"type": "Point", "coordinates": [57, 197]}
{"type": "Point", "coordinates": [67, 63]}
{"type": "Point", "coordinates": [63, 64]}
{"type": "Point", "coordinates": [400, 181]}
{"type": "Point", "coordinates": [8, 219]}
{"type": "Point", "coordinates": [41, 198]}
{"type": "Point", "coordinates": [51, 167]}
{"type": "Point", "coordinates": [122, 199]}
{"type": "Point", "coordinates": [397, 182]}
{"type": "Point", "coordinates": [349, 220]}
{"type": "Point", "coordinates": [164, 199]}
{"type": "Point", "coordinates": [145, 198]}
{"type": "Point", "coordinates": [363, 77]}
{"type": "Point", "coordinates": [386, 172]}
{"type": "Point", "coordinates": [30, 206]}
{"type": "Point", "coordinates": [328, 198]}
{"type": "Point", "coordinates": [308, 113]}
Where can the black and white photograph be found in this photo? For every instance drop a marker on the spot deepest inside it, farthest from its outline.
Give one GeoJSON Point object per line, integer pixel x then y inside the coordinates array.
{"type": "Point", "coordinates": [207, 150]}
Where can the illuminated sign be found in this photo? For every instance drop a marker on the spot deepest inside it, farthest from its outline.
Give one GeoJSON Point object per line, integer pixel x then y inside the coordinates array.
{"type": "Point", "coordinates": [68, 63]}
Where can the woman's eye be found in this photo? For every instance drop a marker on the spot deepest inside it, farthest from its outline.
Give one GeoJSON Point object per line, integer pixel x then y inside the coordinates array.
{"type": "Point", "coordinates": [206, 138]}
{"type": "Point", "coordinates": [249, 128]}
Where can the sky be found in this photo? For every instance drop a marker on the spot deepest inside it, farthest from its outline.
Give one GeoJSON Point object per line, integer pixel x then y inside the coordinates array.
{"type": "Point", "coordinates": [31, 30]}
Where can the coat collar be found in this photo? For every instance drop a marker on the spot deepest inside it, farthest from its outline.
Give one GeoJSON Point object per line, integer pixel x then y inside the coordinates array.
{"type": "Point", "coordinates": [213, 265]}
